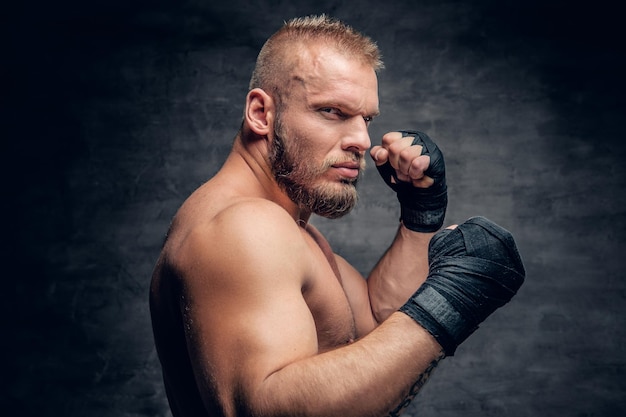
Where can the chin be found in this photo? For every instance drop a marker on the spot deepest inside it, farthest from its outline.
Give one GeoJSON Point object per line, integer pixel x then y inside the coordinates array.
{"type": "Point", "coordinates": [336, 203]}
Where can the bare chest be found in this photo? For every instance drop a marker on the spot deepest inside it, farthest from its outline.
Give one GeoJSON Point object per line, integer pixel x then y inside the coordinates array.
{"type": "Point", "coordinates": [325, 296]}
{"type": "Point", "coordinates": [333, 317]}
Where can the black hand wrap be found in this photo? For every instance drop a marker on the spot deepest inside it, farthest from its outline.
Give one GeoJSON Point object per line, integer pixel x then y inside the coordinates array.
{"type": "Point", "coordinates": [474, 270]}
{"type": "Point", "coordinates": [421, 209]}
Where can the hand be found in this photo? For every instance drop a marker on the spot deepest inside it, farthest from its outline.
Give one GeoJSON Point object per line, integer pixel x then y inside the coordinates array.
{"type": "Point", "coordinates": [474, 269]}
{"type": "Point", "coordinates": [413, 166]}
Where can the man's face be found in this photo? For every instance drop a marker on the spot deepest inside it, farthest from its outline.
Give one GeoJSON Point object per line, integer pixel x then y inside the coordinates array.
{"type": "Point", "coordinates": [320, 137]}
{"type": "Point", "coordinates": [302, 178]}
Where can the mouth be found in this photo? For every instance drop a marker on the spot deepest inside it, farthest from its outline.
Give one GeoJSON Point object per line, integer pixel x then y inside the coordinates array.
{"type": "Point", "coordinates": [348, 169]}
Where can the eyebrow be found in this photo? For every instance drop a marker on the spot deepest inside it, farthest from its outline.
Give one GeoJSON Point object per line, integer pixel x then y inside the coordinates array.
{"type": "Point", "coordinates": [342, 105]}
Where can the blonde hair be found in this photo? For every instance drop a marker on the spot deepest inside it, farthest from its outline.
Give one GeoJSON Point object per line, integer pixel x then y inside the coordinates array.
{"type": "Point", "coordinates": [274, 63]}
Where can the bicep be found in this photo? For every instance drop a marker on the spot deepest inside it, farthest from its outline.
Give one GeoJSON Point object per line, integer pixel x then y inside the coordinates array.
{"type": "Point", "coordinates": [245, 316]}
{"type": "Point", "coordinates": [239, 338]}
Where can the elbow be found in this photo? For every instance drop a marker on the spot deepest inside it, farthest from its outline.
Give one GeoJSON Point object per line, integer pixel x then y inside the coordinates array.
{"type": "Point", "coordinates": [382, 309]}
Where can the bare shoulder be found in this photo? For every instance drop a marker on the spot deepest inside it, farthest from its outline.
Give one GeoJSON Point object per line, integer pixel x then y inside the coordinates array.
{"type": "Point", "coordinates": [240, 274]}
{"type": "Point", "coordinates": [248, 236]}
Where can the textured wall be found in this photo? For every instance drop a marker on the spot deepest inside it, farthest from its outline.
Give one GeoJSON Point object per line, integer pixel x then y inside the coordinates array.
{"type": "Point", "coordinates": [115, 111]}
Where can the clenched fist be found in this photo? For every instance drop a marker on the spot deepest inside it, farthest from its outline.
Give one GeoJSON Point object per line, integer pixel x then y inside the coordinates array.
{"type": "Point", "coordinates": [413, 166]}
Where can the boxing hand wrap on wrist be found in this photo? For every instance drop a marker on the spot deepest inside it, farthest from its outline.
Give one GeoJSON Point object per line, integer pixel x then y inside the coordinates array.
{"type": "Point", "coordinates": [474, 270]}
{"type": "Point", "coordinates": [421, 209]}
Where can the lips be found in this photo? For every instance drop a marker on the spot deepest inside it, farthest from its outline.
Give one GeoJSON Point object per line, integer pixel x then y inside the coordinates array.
{"type": "Point", "coordinates": [350, 169]}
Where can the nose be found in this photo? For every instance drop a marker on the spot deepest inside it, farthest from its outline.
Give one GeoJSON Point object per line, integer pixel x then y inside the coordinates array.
{"type": "Point", "coordinates": [357, 139]}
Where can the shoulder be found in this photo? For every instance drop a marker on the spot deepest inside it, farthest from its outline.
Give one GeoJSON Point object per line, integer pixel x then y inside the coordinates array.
{"type": "Point", "coordinates": [251, 216]}
{"type": "Point", "coordinates": [255, 225]}
{"type": "Point", "coordinates": [251, 237]}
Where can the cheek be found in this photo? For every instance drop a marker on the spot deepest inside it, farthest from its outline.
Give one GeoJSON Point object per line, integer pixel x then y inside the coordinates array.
{"type": "Point", "coordinates": [308, 143]}
{"type": "Point", "coordinates": [302, 152]}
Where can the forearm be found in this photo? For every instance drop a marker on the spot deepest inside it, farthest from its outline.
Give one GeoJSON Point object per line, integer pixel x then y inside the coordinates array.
{"type": "Point", "coordinates": [371, 377]}
{"type": "Point", "coordinates": [401, 270]}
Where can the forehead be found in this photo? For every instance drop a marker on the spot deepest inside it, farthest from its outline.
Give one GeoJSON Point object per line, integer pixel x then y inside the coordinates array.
{"type": "Point", "coordinates": [324, 75]}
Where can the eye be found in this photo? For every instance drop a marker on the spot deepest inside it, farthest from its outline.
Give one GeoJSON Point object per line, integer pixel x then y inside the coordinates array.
{"type": "Point", "coordinates": [331, 110]}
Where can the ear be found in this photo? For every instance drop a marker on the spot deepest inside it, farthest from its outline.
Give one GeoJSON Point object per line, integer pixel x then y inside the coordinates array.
{"type": "Point", "coordinates": [260, 112]}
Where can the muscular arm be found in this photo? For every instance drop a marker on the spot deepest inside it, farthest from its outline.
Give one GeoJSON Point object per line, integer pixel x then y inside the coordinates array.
{"type": "Point", "coordinates": [401, 270]}
{"type": "Point", "coordinates": [252, 335]}
{"type": "Point", "coordinates": [412, 165]}
{"type": "Point", "coordinates": [371, 377]}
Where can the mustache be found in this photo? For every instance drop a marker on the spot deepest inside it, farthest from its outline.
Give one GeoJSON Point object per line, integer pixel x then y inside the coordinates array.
{"type": "Point", "coordinates": [353, 158]}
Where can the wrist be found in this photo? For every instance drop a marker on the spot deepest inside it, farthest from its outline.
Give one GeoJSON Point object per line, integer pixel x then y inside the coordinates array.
{"type": "Point", "coordinates": [423, 221]}
{"type": "Point", "coordinates": [437, 316]}
{"type": "Point", "coordinates": [421, 335]}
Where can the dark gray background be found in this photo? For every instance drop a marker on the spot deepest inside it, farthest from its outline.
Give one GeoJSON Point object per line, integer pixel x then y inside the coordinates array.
{"type": "Point", "coordinates": [113, 112]}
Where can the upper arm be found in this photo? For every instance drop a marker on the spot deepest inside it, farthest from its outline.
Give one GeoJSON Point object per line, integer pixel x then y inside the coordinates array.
{"type": "Point", "coordinates": [245, 316]}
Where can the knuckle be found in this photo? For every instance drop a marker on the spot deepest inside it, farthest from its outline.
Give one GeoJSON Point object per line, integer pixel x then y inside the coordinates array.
{"type": "Point", "coordinates": [386, 141]}
{"type": "Point", "coordinates": [416, 167]}
{"type": "Point", "coordinates": [389, 138]}
{"type": "Point", "coordinates": [406, 154]}
{"type": "Point", "coordinates": [421, 163]}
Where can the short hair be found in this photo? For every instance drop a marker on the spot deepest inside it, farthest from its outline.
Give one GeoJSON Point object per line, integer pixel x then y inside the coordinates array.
{"type": "Point", "coordinates": [273, 59]}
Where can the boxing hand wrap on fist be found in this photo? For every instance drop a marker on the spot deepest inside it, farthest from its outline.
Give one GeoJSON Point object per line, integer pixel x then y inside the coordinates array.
{"type": "Point", "coordinates": [421, 209]}
{"type": "Point", "coordinates": [474, 269]}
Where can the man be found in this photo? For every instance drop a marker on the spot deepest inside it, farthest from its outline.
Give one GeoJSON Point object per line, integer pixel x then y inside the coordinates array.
{"type": "Point", "coordinates": [254, 315]}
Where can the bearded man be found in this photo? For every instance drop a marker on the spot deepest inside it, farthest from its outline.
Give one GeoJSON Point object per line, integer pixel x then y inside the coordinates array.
{"type": "Point", "coordinates": [254, 315]}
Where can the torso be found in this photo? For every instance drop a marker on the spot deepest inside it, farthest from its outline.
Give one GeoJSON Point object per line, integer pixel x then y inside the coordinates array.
{"type": "Point", "coordinates": [326, 298]}
{"type": "Point", "coordinates": [322, 291]}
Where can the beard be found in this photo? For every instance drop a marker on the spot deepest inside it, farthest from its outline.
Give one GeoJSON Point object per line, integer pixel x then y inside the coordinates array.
{"type": "Point", "coordinates": [297, 175]}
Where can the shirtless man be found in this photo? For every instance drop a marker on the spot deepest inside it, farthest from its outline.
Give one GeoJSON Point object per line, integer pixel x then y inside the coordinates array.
{"type": "Point", "coordinates": [254, 315]}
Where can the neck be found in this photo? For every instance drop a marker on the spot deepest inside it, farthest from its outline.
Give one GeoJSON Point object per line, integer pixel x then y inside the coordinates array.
{"type": "Point", "coordinates": [250, 155]}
